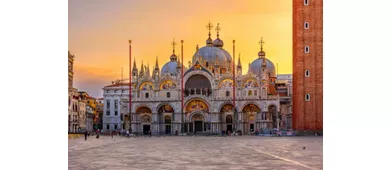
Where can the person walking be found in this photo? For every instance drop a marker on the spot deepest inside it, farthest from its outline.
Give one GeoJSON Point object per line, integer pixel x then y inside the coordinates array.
{"type": "Point", "coordinates": [150, 133]}
{"type": "Point", "coordinates": [86, 135]}
{"type": "Point", "coordinates": [112, 134]}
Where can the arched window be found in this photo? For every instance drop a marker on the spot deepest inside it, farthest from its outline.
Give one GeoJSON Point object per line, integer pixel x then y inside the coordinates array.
{"type": "Point", "coordinates": [227, 93]}
{"type": "Point", "coordinates": [307, 73]}
{"type": "Point", "coordinates": [306, 25]}
{"type": "Point", "coordinates": [229, 119]}
{"type": "Point", "coordinates": [250, 93]}
{"type": "Point", "coordinates": [168, 95]}
{"type": "Point", "coordinates": [146, 95]}
{"type": "Point", "coordinates": [307, 49]}
{"type": "Point", "coordinates": [307, 97]}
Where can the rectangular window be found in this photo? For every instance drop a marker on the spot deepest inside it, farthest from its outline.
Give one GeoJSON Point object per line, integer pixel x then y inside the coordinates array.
{"type": "Point", "coordinates": [116, 104]}
{"type": "Point", "coordinates": [116, 113]}
{"type": "Point", "coordinates": [116, 127]}
{"type": "Point", "coordinates": [108, 113]}
{"type": "Point", "coordinates": [307, 73]}
{"type": "Point", "coordinates": [108, 104]}
{"type": "Point", "coordinates": [306, 25]}
{"type": "Point", "coordinates": [108, 127]}
{"type": "Point", "coordinates": [306, 2]}
{"type": "Point", "coordinates": [307, 49]}
{"type": "Point", "coordinates": [255, 92]}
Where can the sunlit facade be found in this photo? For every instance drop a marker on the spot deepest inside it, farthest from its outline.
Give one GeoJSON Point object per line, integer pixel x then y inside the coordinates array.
{"type": "Point", "coordinates": [210, 104]}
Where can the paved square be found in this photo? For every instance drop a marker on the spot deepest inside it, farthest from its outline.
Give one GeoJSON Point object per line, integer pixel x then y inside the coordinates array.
{"type": "Point", "coordinates": [236, 152]}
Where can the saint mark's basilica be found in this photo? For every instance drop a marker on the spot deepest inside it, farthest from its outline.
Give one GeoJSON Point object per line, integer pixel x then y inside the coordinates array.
{"type": "Point", "coordinates": [199, 96]}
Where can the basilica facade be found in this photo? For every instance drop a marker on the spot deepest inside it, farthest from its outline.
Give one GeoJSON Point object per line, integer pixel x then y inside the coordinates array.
{"type": "Point", "coordinates": [203, 96]}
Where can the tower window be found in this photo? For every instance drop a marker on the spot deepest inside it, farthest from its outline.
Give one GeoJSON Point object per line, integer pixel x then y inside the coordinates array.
{"type": "Point", "coordinates": [307, 73]}
{"type": "Point", "coordinates": [307, 49]}
{"type": "Point", "coordinates": [168, 95]}
{"type": "Point", "coordinates": [146, 95]}
{"type": "Point", "coordinates": [227, 93]}
{"type": "Point", "coordinates": [306, 25]}
{"type": "Point", "coordinates": [307, 97]}
{"type": "Point", "coordinates": [306, 2]}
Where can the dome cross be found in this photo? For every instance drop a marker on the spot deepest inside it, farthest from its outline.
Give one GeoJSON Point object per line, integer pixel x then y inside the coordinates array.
{"type": "Point", "coordinates": [218, 28]}
{"type": "Point", "coordinates": [173, 45]}
{"type": "Point", "coordinates": [261, 42]}
{"type": "Point", "coordinates": [209, 26]}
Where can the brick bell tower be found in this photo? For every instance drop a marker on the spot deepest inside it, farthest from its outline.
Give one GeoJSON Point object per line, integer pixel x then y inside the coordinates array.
{"type": "Point", "coordinates": [307, 65]}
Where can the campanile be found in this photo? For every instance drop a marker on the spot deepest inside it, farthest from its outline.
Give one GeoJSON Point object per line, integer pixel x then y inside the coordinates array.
{"type": "Point", "coordinates": [307, 64]}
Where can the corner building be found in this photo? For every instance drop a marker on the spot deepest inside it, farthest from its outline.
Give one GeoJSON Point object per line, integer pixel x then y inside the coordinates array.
{"type": "Point", "coordinates": [307, 65]}
{"type": "Point", "coordinates": [208, 95]}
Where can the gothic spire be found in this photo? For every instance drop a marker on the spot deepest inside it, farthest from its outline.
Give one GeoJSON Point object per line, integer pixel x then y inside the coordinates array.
{"type": "Point", "coordinates": [134, 65]}
{"type": "Point", "coordinates": [156, 65]}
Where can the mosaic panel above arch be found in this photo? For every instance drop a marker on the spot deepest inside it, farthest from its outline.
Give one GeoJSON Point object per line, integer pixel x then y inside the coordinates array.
{"type": "Point", "coordinates": [250, 83]}
{"type": "Point", "coordinates": [165, 109]}
{"type": "Point", "coordinates": [226, 108]}
{"type": "Point", "coordinates": [196, 105]}
{"type": "Point", "coordinates": [143, 109]}
{"type": "Point", "coordinates": [167, 84]}
{"type": "Point", "coordinates": [226, 83]}
{"type": "Point", "coordinates": [251, 108]}
{"type": "Point", "coordinates": [146, 86]}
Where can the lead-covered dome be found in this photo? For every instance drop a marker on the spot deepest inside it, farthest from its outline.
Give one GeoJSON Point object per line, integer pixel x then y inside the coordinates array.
{"type": "Point", "coordinates": [211, 55]}
{"type": "Point", "coordinates": [171, 66]}
{"type": "Point", "coordinates": [255, 67]}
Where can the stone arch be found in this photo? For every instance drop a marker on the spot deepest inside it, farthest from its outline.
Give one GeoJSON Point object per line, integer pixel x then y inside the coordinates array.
{"type": "Point", "coordinates": [251, 107]}
{"type": "Point", "coordinates": [161, 105]}
{"type": "Point", "coordinates": [191, 116]}
{"type": "Point", "coordinates": [196, 104]}
{"type": "Point", "coordinates": [221, 107]}
{"type": "Point", "coordinates": [198, 72]}
{"type": "Point", "coordinates": [143, 109]}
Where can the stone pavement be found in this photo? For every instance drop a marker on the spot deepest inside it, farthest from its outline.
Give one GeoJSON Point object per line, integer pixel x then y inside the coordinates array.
{"type": "Point", "coordinates": [235, 152]}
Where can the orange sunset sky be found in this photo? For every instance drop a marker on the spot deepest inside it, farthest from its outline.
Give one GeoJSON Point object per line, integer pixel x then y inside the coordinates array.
{"type": "Point", "coordinates": [99, 31]}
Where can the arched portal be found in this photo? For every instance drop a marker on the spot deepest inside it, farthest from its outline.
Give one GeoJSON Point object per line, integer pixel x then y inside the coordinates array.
{"type": "Point", "coordinates": [197, 85]}
{"type": "Point", "coordinates": [144, 115]}
{"type": "Point", "coordinates": [192, 108]}
{"type": "Point", "coordinates": [250, 112]}
{"type": "Point", "coordinates": [273, 115]}
{"type": "Point", "coordinates": [165, 117]}
{"type": "Point", "coordinates": [228, 114]}
{"type": "Point", "coordinates": [198, 123]}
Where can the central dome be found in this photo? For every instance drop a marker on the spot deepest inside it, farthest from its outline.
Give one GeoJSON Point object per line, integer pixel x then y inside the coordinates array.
{"type": "Point", "coordinates": [211, 54]}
